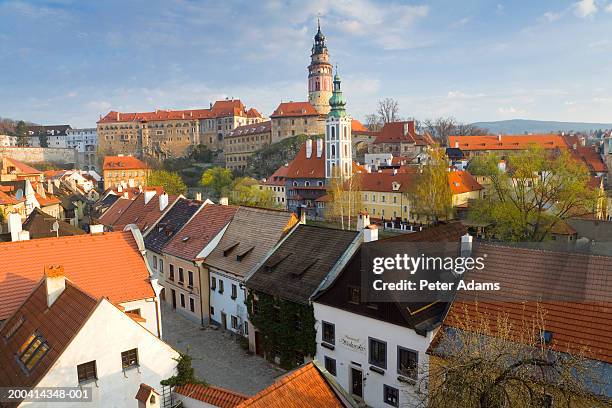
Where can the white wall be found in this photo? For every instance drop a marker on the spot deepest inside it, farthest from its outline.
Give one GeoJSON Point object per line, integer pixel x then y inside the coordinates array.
{"type": "Point", "coordinates": [360, 328]}
{"type": "Point", "coordinates": [106, 334]}
{"type": "Point", "coordinates": [147, 311]}
{"type": "Point", "coordinates": [224, 303]}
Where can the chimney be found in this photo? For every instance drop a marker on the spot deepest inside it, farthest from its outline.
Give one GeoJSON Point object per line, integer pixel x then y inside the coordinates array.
{"type": "Point", "coordinates": [319, 147]}
{"type": "Point", "coordinates": [163, 201]}
{"type": "Point", "coordinates": [126, 195]}
{"type": "Point", "coordinates": [96, 229]}
{"type": "Point", "coordinates": [55, 281]}
{"type": "Point", "coordinates": [363, 220]}
{"type": "Point", "coordinates": [370, 233]}
{"type": "Point", "coordinates": [14, 226]}
{"type": "Point", "coordinates": [309, 148]}
{"type": "Point", "coordinates": [119, 188]}
{"type": "Point", "coordinates": [409, 128]}
{"type": "Point", "coordinates": [148, 195]}
{"type": "Point", "coordinates": [223, 201]}
{"type": "Point", "coordinates": [198, 196]}
{"type": "Point", "coordinates": [499, 137]}
{"type": "Point", "coordinates": [456, 145]}
{"type": "Point", "coordinates": [50, 186]}
{"type": "Point", "coordinates": [394, 172]}
{"type": "Point", "coordinates": [466, 245]}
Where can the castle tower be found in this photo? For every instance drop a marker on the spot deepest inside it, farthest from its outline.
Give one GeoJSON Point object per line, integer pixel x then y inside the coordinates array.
{"type": "Point", "coordinates": [319, 74]}
{"type": "Point", "coordinates": [338, 150]}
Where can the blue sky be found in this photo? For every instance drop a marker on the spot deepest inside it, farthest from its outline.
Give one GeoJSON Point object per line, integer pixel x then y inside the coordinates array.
{"type": "Point", "coordinates": [66, 61]}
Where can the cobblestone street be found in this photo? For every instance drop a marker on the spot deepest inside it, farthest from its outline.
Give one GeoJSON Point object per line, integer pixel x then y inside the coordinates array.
{"type": "Point", "coordinates": [217, 357]}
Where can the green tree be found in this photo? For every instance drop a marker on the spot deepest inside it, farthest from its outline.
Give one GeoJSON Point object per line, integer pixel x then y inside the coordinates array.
{"type": "Point", "coordinates": [22, 134]}
{"type": "Point", "coordinates": [530, 192]}
{"type": "Point", "coordinates": [431, 194]}
{"type": "Point", "coordinates": [184, 373]}
{"type": "Point", "coordinates": [246, 191]}
{"type": "Point", "coordinates": [170, 181]}
{"type": "Point", "coordinates": [218, 179]}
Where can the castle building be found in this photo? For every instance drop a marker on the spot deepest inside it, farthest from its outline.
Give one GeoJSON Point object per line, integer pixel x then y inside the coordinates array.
{"type": "Point", "coordinates": [339, 156]}
{"type": "Point", "coordinates": [319, 75]}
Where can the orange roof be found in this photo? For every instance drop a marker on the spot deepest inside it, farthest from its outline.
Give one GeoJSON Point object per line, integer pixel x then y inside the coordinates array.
{"type": "Point", "coordinates": [290, 109]}
{"type": "Point", "coordinates": [303, 167]}
{"type": "Point", "coordinates": [253, 113]}
{"type": "Point", "coordinates": [591, 158]}
{"type": "Point", "coordinates": [48, 200]}
{"type": "Point", "coordinates": [115, 211]}
{"type": "Point", "coordinates": [278, 177]}
{"type": "Point", "coordinates": [22, 168]}
{"type": "Point", "coordinates": [6, 199]}
{"type": "Point", "coordinates": [507, 142]}
{"type": "Point", "coordinates": [122, 163]}
{"type": "Point", "coordinates": [401, 132]}
{"type": "Point", "coordinates": [462, 181]}
{"type": "Point", "coordinates": [356, 126]}
{"type": "Point", "coordinates": [106, 265]}
{"type": "Point", "coordinates": [216, 396]}
{"type": "Point", "coordinates": [384, 181]}
{"type": "Point", "coordinates": [302, 388]}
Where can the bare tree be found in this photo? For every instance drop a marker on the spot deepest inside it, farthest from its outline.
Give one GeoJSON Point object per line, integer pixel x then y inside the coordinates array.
{"type": "Point", "coordinates": [388, 110]}
{"type": "Point", "coordinates": [373, 122]}
{"type": "Point", "coordinates": [468, 129]}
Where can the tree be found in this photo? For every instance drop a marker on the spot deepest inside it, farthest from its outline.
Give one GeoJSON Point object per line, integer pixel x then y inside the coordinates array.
{"type": "Point", "coordinates": [170, 181]}
{"type": "Point", "coordinates": [184, 373]}
{"type": "Point", "coordinates": [246, 191]}
{"type": "Point", "coordinates": [443, 127]}
{"type": "Point", "coordinates": [486, 361]}
{"type": "Point", "coordinates": [373, 122]}
{"type": "Point", "coordinates": [530, 192]}
{"type": "Point", "coordinates": [218, 179]}
{"type": "Point", "coordinates": [388, 110]}
{"type": "Point", "coordinates": [344, 199]}
{"type": "Point", "coordinates": [430, 194]}
{"type": "Point", "coordinates": [21, 131]}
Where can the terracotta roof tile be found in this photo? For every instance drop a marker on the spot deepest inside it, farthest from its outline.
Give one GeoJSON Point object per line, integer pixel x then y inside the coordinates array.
{"type": "Point", "coordinates": [386, 180]}
{"type": "Point", "coordinates": [108, 265]}
{"type": "Point", "coordinates": [278, 177]}
{"type": "Point", "coordinates": [22, 168]}
{"type": "Point", "coordinates": [209, 394]}
{"type": "Point", "coordinates": [508, 142]}
{"type": "Point", "coordinates": [591, 158]}
{"type": "Point", "coordinates": [401, 132]}
{"type": "Point", "coordinates": [356, 126]}
{"type": "Point", "coordinates": [114, 212]}
{"type": "Point", "coordinates": [200, 231]}
{"type": "Point", "coordinates": [122, 163]}
{"type": "Point", "coordinates": [141, 214]}
{"type": "Point", "coordinates": [461, 181]}
{"type": "Point", "coordinates": [302, 388]}
{"type": "Point", "coordinates": [303, 167]}
{"type": "Point", "coordinates": [143, 392]}
{"type": "Point", "coordinates": [293, 109]}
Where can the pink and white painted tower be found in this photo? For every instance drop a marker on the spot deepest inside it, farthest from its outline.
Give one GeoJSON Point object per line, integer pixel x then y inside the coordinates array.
{"type": "Point", "coordinates": [320, 84]}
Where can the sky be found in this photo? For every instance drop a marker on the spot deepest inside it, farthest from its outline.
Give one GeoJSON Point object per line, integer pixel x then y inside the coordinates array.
{"type": "Point", "coordinates": [64, 61]}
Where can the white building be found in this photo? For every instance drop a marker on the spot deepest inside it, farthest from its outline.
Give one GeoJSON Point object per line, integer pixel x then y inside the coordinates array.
{"type": "Point", "coordinates": [99, 350]}
{"type": "Point", "coordinates": [85, 141]}
{"type": "Point", "coordinates": [338, 148]}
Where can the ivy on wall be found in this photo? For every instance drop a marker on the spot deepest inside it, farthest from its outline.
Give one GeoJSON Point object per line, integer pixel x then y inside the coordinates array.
{"type": "Point", "coordinates": [287, 329]}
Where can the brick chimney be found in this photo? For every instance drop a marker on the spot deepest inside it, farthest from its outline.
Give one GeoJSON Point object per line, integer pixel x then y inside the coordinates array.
{"type": "Point", "coordinates": [55, 281]}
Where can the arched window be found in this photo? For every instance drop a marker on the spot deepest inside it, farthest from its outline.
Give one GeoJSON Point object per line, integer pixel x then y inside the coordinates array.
{"type": "Point", "coordinates": [345, 151]}
{"type": "Point", "coordinates": [332, 131]}
{"type": "Point", "coordinates": [333, 151]}
{"type": "Point", "coordinates": [345, 133]}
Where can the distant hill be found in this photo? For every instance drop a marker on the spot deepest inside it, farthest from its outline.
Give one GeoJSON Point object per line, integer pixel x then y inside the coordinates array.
{"type": "Point", "coordinates": [516, 126]}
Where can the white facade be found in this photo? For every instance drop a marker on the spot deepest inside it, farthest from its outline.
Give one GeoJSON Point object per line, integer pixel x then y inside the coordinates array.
{"type": "Point", "coordinates": [229, 311]}
{"type": "Point", "coordinates": [8, 141]}
{"type": "Point", "coordinates": [338, 149]}
{"type": "Point", "coordinates": [107, 333]}
{"type": "Point", "coordinates": [84, 140]}
{"type": "Point", "coordinates": [57, 141]}
{"type": "Point", "coordinates": [149, 310]}
{"type": "Point", "coordinates": [351, 353]}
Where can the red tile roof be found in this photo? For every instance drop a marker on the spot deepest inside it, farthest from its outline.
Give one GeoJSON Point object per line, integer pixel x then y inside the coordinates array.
{"type": "Point", "coordinates": [356, 126]}
{"type": "Point", "coordinates": [303, 167]}
{"type": "Point", "coordinates": [115, 211]}
{"type": "Point", "coordinates": [384, 181]}
{"type": "Point", "coordinates": [461, 181]}
{"type": "Point", "coordinates": [6, 199]}
{"type": "Point", "coordinates": [21, 168]}
{"type": "Point", "coordinates": [401, 132]}
{"type": "Point", "coordinates": [253, 113]}
{"type": "Point", "coordinates": [141, 214]}
{"type": "Point", "coordinates": [209, 394]}
{"type": "Point", "coordinates": [591, 158]}
{"type": "Point", "coordinates": [563, 276]}
{"type": "Point", "coordinates": [144, 391]}
{"type": "Point", "coordinates": [302, 388]}
{"type": "Point", "coordinates": [508, 142]}
{"type": "Point", "coordinates": [199, 231]}
{"type": "Point", "coordinates": [57, 325]}
{"type": "Point", "coordinates": [123, 163]}
{"type": "Point", "coordinates": [278, 177]}
{"type": "Point", "coordinates": [108, 265]}
{"type": "Point", "coordinates": [292, 109]}
{"type": "Point", "coordinates": [48, 200]}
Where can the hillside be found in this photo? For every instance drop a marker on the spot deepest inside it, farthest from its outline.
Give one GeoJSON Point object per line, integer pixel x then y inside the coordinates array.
{"type": "Point", "coordinates": [516, 126]}
{"type": "Point", "coordinates": [266, 161]}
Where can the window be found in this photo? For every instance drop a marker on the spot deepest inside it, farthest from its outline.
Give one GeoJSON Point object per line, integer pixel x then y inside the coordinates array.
{"type": "Point", "coordinates": [191, 305]}
{"type": "Point", "coordinates": [354, 294]}
{"type": "Point", "coordinates": [87, 371]}
{"type": "Point", "coordinates": [212, 310]}
{"type": "Point", "coordinates": [182, 300]}
{"type": "Point", "coordinates": [190, 279]}
{"type": "Point", "coordinates": [134, 311]}
{"type": "Point", "coordinates": [329, 333]}
{"type": "Point", "coordinates": [220, 286]}
{"type": "Point", "coordinates": [154, 262]}
{"type": "Point", "coordinates": [213, 283]}
{"type": "Point", "coordinates": [234, 323]}
{"type": "Point", "coordinates": [378, 353]}
{"type": "Point", "coordinates": [246, 329]}
{"type": "Point", "coordinates": [407, 362]}
{"type": "Point", "coordinates": [161, 264]}
{"type": "Point", "coordinates": [32, 350]}
{"type": "Point", "coordinates": [234, 291]}
{"type": "Point", "coordinates": [129, 358]}
{"type": "Point", "coordinates": [391, 395]}
{"type": "Point", "coordinates": [181, 275]}
{"type": "Point", "coordinates": [330, 365]}
{"type": "Point", "coordinates": [171, 272]}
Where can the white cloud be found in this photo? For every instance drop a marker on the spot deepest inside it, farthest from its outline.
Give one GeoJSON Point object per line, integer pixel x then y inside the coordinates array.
{"type": "Point", "coordinates": [585, 8]}
{"type": "Point", "coordinates": [551, 16]}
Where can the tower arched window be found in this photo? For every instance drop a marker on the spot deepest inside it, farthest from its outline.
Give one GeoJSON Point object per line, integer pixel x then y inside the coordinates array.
{"type": "Point", "coordinates": [333, 132]}
{"type": "Point", "coordinates": [345, 133]}
{"type": "Point", "coordinates": [333, 151]}
{"type": "Point", "coordinates": [317, 86]}
{"type": "Point", "coordinates": [345, 151]}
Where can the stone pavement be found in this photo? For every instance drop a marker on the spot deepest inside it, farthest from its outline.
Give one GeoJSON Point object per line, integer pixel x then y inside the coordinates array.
{"type": "Point", "coordinates": [218, 358]}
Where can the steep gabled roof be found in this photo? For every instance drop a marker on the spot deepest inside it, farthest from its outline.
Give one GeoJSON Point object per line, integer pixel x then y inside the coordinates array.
{"type": "Point", "coordinates": [307, 386]}
{"type": "Point", "coordinates": [278, 177]}
{"type": "Point", "coordinates": [114, 212]}
{"type": "Point", "coordinates": [200, 231]}
{"type": "Point", "coordinates": [173, 220]}
{"type": "Point", "coordinates": [590, 157]}
{"type": "Point", "coordinates": [400, 132]}
{"type": "Point", "coordinates": [108, 265]}
{"type": "Point", "coordinates": [304, 167]}
{"type": "Point", "coordinates": [249, 237]}
{"type": "Point", "coordinates": [215, 396]}
{"type": "Point", "coordinates": [20, 168]}
{"type": "Point", "coordinates": [461, 181]}
{"type": "Point", "coordinates": [300, 262]}
{"type": "Point", "coordinates": [141, 214]}
{"type": "Point", "coordinates": [294, 109]}
{"type": "Point", "coordinates": [57, 326]}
